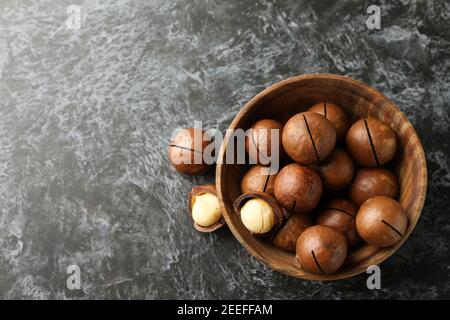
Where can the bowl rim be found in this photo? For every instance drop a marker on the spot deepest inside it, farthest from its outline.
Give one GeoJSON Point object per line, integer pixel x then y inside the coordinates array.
{"type": "Point", "coordinates": [418, 206]}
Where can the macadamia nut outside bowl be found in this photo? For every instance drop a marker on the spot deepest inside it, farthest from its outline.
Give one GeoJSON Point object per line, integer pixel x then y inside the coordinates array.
{"type": "Point", "coordinates": [286, 98]}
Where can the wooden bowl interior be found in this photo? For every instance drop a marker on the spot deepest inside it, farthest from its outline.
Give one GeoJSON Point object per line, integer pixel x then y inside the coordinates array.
{"type": "Point", "coordinates": [295, 95]}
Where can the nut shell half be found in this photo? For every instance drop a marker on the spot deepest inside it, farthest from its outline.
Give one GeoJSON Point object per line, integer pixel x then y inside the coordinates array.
{"type": "Point", "coordinates": [198, 190]}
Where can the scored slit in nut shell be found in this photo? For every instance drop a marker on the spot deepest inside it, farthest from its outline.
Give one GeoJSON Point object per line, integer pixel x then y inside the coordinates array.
{"type": "Point", "coordinates": [384, 140]}
{"type": "Point", "coordinates": [316, 262]}
{"type": "Point", "coordinates": [392, 227]}
{"type": "Point", "coordinates": [311, 138]}
{"type": "Point", "coordinates": [372, 146]}
{"type": "Point", "coordinates": [279, 213]}
{"type": "Point", "coordinates": [199, 190]}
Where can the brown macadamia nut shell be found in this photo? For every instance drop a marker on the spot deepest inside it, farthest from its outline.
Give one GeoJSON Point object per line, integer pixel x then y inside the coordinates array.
{"type": "Point", "coordinates": [258, 179]}
{"type": "Point", "coordinates": [298, 188]}
{"type": "Point", "coordinates": [197, 190]}
{"type": "Point", "coordinates": [287, 235]}
{"type": "Point", "coordinates": [308, 138]}
{"type": "Point", "coordinates": [184, 151]}
{"type": "Point", "coordinates": [340, 215]}
{"type": "Point", "coordinates": [371, 143]}
{"type": "Point", "coordinates": [381, 221]}
{"type": "Point", "coordinates": [259, 144]}
{"type": "Point", "coordinates": [371, 182]}
{"type": "Point", "coordinates": [321, 250]}
{"type": "Point", "coordinates": [335, 115]}
{"type": "Point", "coordinates": [337, 170]}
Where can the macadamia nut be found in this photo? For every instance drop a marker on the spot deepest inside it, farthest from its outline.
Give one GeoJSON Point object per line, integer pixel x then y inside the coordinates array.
{"type": "Point", "coordinates": [259, 144]}
{"type": "Point", "coordinates": [381, 221]}
{"type": "Point", "coordinates": [206, 209]}
{"type": "Point", "coordinates": [308, 138]}
{"type": "Point", "coordinates": [371, 143]}
{"type": "Point", "coordinates": [297, 188]}
{"type": "Point", "coordinates": [258, 179]}
{"type": "Point", "coordinates": [370, 182]}
{"type": "Point", "coordinates": [335, 115]}
{"type": "Point", "coordinates": [286, 237]}
{"type": "Point", "coordinates": [339, 215]}
{"type": "Point", "coordinates": [337, 170]}
{"type": "Point", "coordinates": [186, 151]}
{"type": "Point", "coordinates": [321, 250]}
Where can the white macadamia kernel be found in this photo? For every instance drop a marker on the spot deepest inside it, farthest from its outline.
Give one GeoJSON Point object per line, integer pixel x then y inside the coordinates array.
{"type": "Point", "coordinates": [206, 209]}
{"type": "Point", "coordinates": [257, 216]}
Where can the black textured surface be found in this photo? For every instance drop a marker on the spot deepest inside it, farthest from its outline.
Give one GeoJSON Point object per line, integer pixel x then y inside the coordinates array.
{"type": "Point", "coordinates": [86, 115]}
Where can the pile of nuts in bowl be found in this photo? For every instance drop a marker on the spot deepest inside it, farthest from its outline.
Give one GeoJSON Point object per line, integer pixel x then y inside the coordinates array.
{"type": "Point", "coordinates": [332, 194]}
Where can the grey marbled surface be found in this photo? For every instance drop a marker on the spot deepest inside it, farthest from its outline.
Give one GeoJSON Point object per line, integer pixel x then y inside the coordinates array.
{"type": "Point", "coordinates": [85, 118]}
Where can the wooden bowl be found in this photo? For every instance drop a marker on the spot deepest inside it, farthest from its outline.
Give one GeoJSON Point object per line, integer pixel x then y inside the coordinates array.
{"type": "Point", "coordinates": [294, 95]}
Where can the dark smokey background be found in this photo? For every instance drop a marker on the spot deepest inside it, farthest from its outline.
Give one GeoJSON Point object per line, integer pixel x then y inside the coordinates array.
{"type": "Point", "coordinates": [86, 115]}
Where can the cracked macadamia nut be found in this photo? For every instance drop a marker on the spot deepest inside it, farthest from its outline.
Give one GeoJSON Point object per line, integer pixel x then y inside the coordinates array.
{"type": "Point", "coordinates": [260, 213]}
{"type": "Point", "coordinates": [381, 221]}
{"type": "Point", "coordinates": [258, 179]}
{"type": "Point", "coordinates": [371, 143]}
{"type": "Point", "coordinates": [259, 143]}
{"type": "Point", "coordinates": [286, 237]}
{"type": "Point", "coordinates": [308, 138]}
{"type": "Point", "coordinates": [298, 188]}
{"type": "Point", "coordinates": [371, 182]}
{"type": "Point", "coordinates": [337, 170]}
{"type": "Point", "coordinates": [340, 215]}
{"type": "Point", "coordinates": [321, 250]}
{"type": "Point", "coordinates": [335, 115]}
{"type": "Point", "coordinates": [186, 151]}
{"type": "Point", "coordinates": [206, 209]}
{"type": "Point", "coordinates": [257, 216]}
